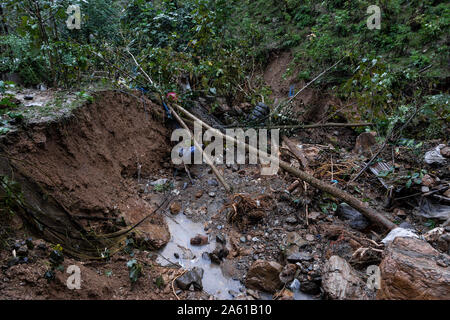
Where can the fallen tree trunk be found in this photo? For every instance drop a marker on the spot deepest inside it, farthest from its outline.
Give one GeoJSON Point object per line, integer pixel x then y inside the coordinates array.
{"type": "Point", "coordinates": [199, 147]}
{"type": "Point", "coordinates": [368, 212]}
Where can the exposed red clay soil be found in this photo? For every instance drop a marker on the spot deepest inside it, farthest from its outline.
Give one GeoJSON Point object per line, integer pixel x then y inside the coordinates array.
{"type": "Point", "coordinates": [83, 161]}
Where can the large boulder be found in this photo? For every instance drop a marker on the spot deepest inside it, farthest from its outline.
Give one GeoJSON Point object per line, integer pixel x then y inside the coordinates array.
{"type": "Point", "coordinates": [264, 275]}
{"type": "Point", "coordinates": [412, 269]}
{"type": "Point", "coordinates": [341, 282]}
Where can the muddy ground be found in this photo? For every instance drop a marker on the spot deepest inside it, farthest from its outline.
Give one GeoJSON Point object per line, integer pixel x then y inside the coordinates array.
{"type": "Point", "coordinates": [107, 163]}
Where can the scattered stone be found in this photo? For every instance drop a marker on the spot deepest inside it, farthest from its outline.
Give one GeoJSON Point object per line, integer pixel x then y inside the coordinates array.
{"type": "Point", "coordinates": [175, 208]}
{"type": "Point", "coordinates": [427, 180]}
{"type": "Point", "coordinates": [264, 275]}
{"type": "Point", "coordinates": [445, 152]}
{"type": "Point", "coordinates": [192, 277]}
{"type": "Point", "coordinates": [219, 253]}
{"type": "Point", "coordinates": [221, 239]}
{"type": "Point", "coordinates": [299, 257]}
{"type": "Point", "coordinates": [213, 182]}
{"type": "Point", "coordinates": [199, 194]}
{"type": "Point", "coordinates": [291, 220]}
{"type": "Point", "coordinates": [288, 273]}
{"type": "Point", "coordinates": [313, 216]}
{"type": "Point", "coordinates": [355, 219]}
{"type": "Point", "coordinates": [399, 212]}
{"type": "Point", "coordinates": [309, 237]}
{"type": "Point", "coordinates": [410, 271]}
{"type": "Point", "coordinates": [212, 194]}
{"type": "Point", "coordinates": [242, 239]}
{"type": "Point", "coordinates": [199, 240]}
{"type": "Point", "coordinates": [309, 287]}
{"type": "Point", "coordinates": [341, 282]}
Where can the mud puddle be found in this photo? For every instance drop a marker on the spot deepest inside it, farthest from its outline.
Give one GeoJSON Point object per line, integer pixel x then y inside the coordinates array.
{"type": "Point", "coordinates": [182, 229]}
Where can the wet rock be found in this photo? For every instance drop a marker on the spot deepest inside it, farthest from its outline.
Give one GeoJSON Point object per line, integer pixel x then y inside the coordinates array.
{"type": "Point", "coordinates": [213, 182]}
{"type": "Point", "coordinates": [355, 219]}
{"type": "Point", "coordinates": [175, 208]}
{"type": "Point", "coordinates": [309, 287]}
{"type": "Point", "coordinates": [341, 282]}
{"type": "Point", "coordinates": [299, 257]}
{"type": "Point", "coordinates": [288, 273]}
{"type": "Point", "coordinates": [192, 277]}
{"type": "Point", "coordinates": [199, 240]}
{"type": "Point", "coordinates": [264, 275]}
{"type": "Point", "coordinates": [221, 239]}
{"type": "Point", "coordinates": [219, 253]}
{"type": "Point", "coordinates": [410, 270]}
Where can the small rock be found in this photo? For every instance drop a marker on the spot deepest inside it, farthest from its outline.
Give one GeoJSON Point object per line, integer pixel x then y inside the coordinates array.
{"type": "Point", "coordinates": [445, 152]}
{"type": "Point", "coordinates": [341, 282]}
{"type": "Point", "coordinates": [355, 219]}
{"type": "Point", "coordinates": [199, 240]}
{"type": "Point", "coordinates": [213, 182]}
{"type": "Point", "coordinates": [399, 212]}
{"type": "Point", "coordinates": [192, 277]}
{"type": "Point", "coordinates": [309, 287]}
{"type": "Point", "coordinates": [427, 181]}
{"type": "Point", "coordinates": [212, 194]}
{"type": "Point", "coordinates": [264, 275]}
{"type": "Point", "coordinates": [299, 257]}
{"type": "Point", "coordinates": [288, 273]}
{"type": "Point", "coordinates": [242, 239]}
{"type": "Point", "coordinates": [309, 237]}
{"type": "Point", "coordinates": [291, 220]}
{"type": "Point", "coordinates": [199, 194]}
{"type": "Point", "coordinates": [221, 239]}
{"type": "Point", "coordinates": [175, 208]}
{"type": "Point", "coordinates": [28, 97]}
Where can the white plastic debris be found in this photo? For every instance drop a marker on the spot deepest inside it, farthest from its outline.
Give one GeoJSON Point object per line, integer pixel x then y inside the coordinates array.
{"type": "Point", "coordinates": [435, 156]}
{"type": "Point", "coordinates": [159, 182]}
{"type": "Point", "coordinates": [399, 232]}
{"type": "Point", "coordinates": [295, 285]}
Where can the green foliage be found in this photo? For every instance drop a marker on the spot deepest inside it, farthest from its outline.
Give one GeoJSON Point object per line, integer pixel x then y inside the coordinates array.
{"type": "Point", "coordinates": [135, 270]}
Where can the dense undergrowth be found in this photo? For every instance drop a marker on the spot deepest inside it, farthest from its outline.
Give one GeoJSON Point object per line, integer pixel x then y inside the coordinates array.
{"type": "Point", "coordinates": [219, 46]}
